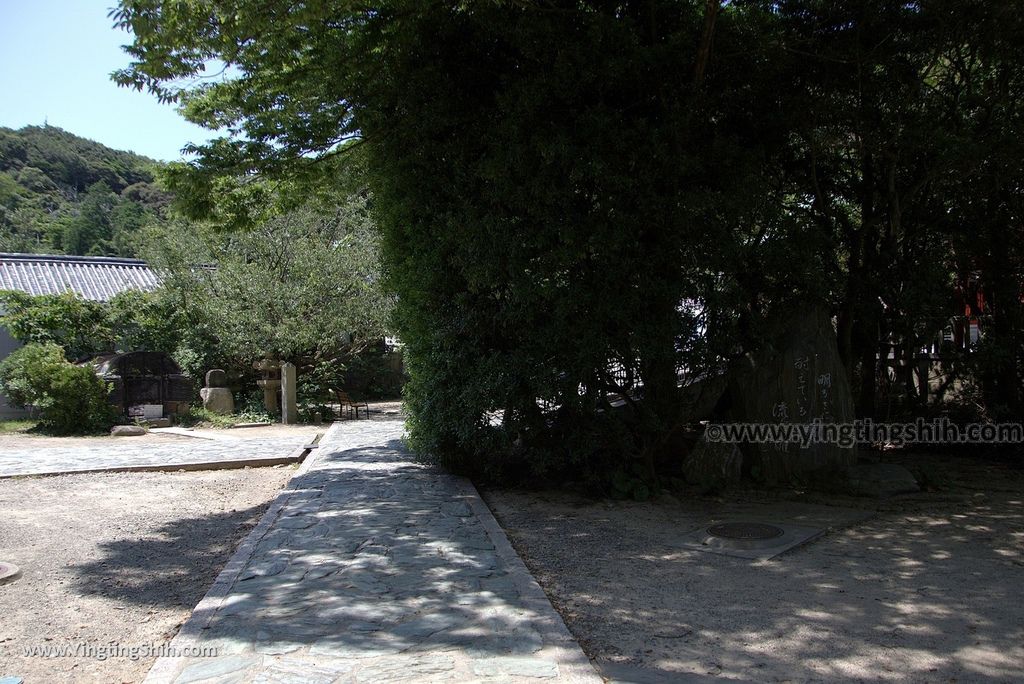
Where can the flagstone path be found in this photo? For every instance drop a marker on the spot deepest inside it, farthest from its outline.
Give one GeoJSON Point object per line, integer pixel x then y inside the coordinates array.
{"type": "Point", "coordinates": [179, 453]}
{"type": "Point", "coordinates": [372, 568]}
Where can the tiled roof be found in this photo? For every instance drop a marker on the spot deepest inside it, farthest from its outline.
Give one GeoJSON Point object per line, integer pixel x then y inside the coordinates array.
{"type": "Point", "coordinates": [95, 278]}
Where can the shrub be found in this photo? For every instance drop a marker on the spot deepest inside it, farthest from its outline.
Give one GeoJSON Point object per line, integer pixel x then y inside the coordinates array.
{"type": "Point", "coordinates": [69, 398]}
{"type": "Point", "coordinates": [198, 416]}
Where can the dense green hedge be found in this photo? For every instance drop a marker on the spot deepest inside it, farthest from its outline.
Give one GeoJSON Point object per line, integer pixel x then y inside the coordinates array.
{"type": "Point", "coordinates": [578, 198]}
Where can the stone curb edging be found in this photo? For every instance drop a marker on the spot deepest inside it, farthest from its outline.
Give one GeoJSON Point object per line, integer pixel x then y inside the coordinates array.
{"type": "Point", "coordinates": [165, 669]}
{"type": "Point", "coordinates": [573, 664]}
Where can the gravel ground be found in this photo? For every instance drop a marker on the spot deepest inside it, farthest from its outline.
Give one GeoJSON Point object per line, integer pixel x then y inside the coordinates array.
{"type": "Point", "coordinates": [927, 590]}
{"type": "Point", "coordinates": [118, 557]}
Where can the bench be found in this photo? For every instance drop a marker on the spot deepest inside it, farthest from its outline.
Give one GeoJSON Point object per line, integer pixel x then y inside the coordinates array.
{"type": "Point", "coordinates": [353, 406]}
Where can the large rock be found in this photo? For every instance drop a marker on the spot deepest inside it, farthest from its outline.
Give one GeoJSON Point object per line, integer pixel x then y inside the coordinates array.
{"type": "Point", "coordinates": [698, 400]}
{"type": "Point", "coordinates": [796, 378]}
{"type": "Point", "coordinates": [713, 465]}
{"type": "Point", "coordinates": [218, 400]}
{"type": "Point", "coordinates": [127, 431]}
{"type": "Point", "coordinates": [216, 378]}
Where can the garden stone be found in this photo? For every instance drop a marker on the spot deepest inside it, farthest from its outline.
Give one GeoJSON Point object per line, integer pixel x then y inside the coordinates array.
{"type": "Point", "coordinates": [289, 402]}
{"type": "Point", "coordinates": [127, 431]}
{"type": "Point", "coordinates": [218, 400]}
{"type": "Point", "coordinates": [216, 378]}
{"type": "Point", "coordinates": [713, 465]}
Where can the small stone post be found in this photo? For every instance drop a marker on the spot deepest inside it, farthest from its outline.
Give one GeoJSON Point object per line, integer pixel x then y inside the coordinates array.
{"type": "Point", "coordinates": [289, 406]}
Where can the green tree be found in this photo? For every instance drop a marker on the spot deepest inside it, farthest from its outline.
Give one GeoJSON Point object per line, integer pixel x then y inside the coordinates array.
{"type": "Point", "coordinates": [304, 283]}
{"type": "Point", "coordinates": [79, 326]}
{"type": "Point", "coordinates": [580, 199]}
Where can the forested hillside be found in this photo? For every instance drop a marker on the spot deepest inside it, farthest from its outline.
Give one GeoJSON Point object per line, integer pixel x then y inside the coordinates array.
{"type": "Point", "coordinates": [63, 194]}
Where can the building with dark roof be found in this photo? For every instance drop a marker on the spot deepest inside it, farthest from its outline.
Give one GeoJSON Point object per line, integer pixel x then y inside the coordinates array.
{"type": "Point", "coordinates": [94, 278]}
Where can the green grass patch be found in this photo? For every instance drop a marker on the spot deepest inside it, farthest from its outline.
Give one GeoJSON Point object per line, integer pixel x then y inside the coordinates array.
{"type": "Point", "coordinates": [10, 427]}
{"type": "Point", "coordinates": [200, 417]}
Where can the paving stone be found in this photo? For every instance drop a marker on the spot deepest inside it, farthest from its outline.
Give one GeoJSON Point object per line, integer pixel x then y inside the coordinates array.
{"type": "Point", "coordinates": [458, 509]}
{"type": "Point", "coordinates": [422, 627]}
{"type": "Point", "coordinates": [296, 523]}
{"type": "Point", "coordinates": [179, 452]}
{"type": "Point", "coordinates": [408, 668]}
{"type": "Point", "coordinates": [275, 644]}
{"type": "Point", "coordinates": [521, 667]}
{"type": "Point", "coordinates": [202, 669]}
{"type": "Point", "coordinates": [301, 672]}
{"type": "Point", "coordinates": [228, 645]}
{"type": "Point", "coordinates": [355, 650]}
{"type": "Point", "coordinates": [265, 569]}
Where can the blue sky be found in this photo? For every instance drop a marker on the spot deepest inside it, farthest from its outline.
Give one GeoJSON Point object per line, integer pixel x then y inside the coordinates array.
{"type": "Point", "coordinates": [55, 62]}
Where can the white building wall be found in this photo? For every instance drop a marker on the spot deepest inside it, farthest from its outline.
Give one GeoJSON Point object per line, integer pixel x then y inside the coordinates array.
{"type": "Point", "coordinates": [7, 345]}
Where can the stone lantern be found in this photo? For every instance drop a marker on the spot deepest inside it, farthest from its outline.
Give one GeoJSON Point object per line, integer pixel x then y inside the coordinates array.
{"type": "Point", "coordinates": [270, 383]}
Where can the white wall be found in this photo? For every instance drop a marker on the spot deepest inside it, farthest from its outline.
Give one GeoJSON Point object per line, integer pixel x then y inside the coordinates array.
{"type": "Point", "coordinates": [7, 345]}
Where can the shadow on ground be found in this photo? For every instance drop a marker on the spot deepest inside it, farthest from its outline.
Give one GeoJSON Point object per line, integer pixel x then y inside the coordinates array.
{"type": "Point", "coordinates": [149, 571]}
{"type": "Point", "coordinates": [927, 590]}
{"type": "Point", "coordinates": [372, 555]}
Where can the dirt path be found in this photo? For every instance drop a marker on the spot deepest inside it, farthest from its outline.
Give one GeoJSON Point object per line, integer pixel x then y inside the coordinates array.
{"type": "Point", "coordinates": [927, 590]}
{"type": "Point", "coordinates": [117, 558]}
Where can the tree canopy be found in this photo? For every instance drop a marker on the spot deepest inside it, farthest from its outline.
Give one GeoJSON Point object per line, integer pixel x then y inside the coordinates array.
{"type": "Point", "coordinates": [300, 284]}
{"type": "Point", "coordinates": [580, 199]}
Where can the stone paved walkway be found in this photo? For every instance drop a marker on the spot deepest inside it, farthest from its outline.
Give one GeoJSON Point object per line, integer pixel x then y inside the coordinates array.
{"type": "Point", "coordinates": [371, 568]}
{"type": "Point", "coordinates": [182, 452]}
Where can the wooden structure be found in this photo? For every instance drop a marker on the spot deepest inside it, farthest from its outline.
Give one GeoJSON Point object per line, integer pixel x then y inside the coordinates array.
{"type": "Point", "coordinates": [347, 403]}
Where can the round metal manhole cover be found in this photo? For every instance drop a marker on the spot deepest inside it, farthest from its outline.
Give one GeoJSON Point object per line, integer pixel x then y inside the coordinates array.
{"type": "Point", "coordinates": [745, 531]}
{"type": "Point", "coordinates": [8, 572]}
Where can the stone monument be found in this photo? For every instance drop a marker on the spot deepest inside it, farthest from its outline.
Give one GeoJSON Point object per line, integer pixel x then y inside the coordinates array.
{"type": "Point", "coordinates": [216, 396]}
{"type": "Point", "coordinates": [798, 379]}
